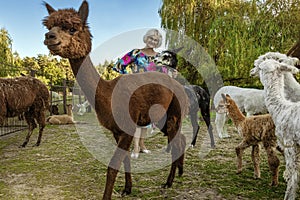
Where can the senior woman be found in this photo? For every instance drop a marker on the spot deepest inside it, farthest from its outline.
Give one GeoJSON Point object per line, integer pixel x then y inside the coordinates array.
{"type": "Point", "coordinates": [141, 60]}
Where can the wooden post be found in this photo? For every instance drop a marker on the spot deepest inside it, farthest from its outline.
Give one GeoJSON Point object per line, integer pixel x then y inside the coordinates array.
{"type": "Point", "coordinates": [65, 96]}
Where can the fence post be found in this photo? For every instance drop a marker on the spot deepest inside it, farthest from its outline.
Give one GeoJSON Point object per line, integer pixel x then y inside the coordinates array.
{"type": "Point", "coordinates": [65, 95]}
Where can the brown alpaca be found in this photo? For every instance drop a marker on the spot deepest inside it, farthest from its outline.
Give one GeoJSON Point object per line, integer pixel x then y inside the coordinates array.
{"type": "Point", "coordinates": [254, 129]}
{"type": "Point", "coordinates": [122, 103]}
{"type": "Point", "coordinates": [24, 96]}
{"type": "Point", "coordinates": [62, 119]}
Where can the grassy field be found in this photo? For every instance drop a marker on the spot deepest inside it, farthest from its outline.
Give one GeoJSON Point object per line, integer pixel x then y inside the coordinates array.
{"type": "Point", "coordinates": [68, 166]}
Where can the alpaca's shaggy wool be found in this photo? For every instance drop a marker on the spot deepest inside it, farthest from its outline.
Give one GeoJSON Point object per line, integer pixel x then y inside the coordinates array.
{"type": "Point", "coordinates": [285, 115]}
{"type": "Point", "coordinates": [254, 130]}
{"type": "Point", "coordinates": [62, 119]}
{"type": "Point", "coordinates": [26, 95]}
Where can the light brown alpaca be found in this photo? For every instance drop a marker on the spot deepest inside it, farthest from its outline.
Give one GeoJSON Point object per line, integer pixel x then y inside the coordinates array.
{"type": "Point", "coordinates": [123, 103]}
{"type": "Point", "coordinates": [254, 129]}
{"type": "Point", "coordinates": [62, 119]}
{"type": "Point", "coordinates": [28, 96]}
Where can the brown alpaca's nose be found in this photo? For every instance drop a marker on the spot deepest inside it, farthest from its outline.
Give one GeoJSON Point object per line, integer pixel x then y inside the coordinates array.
{"type": "Point", "coordinates": [50, 35]}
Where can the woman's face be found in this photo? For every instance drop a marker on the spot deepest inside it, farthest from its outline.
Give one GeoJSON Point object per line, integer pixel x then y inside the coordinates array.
{"type": "Point", "coordinates": [152, 41]}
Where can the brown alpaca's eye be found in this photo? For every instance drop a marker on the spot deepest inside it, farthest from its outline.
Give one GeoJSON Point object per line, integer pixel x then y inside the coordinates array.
{"type": "Point", "coordinates": [72, 31]}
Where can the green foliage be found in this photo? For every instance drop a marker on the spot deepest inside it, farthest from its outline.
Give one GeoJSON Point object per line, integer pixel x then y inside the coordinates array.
{"type": "Point", "coordinates": [47, 68]}
{"type": "Point", "coordinates": [106, 70]}
{"type": "Point", "coordinates": [233, 32]}
{"type": "Point", "coordinates": [5, 52]}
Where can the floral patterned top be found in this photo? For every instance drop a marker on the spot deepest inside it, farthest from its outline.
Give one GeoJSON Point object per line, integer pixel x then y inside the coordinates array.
{"type": "Point", "coordinates": [136, 61]}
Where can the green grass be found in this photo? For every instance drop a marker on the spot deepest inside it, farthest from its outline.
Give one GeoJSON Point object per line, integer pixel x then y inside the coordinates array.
{"type": "Point", "coordinates": [63, 168]}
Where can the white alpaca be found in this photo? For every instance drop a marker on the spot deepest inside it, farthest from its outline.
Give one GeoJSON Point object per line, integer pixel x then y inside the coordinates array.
{"type": "Point", "coordinates": [62, 119]}
{"type": "Point", "coordinates": [249, 100]}
{"type": "Point", "coordinates": [285, 115]}
{"type": "Point", "coordinates": [55, 95]}
{"type": "Point", "coordinates": [82, 107]}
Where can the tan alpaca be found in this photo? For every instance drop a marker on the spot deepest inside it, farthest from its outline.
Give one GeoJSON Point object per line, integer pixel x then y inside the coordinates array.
{"type": "Point", "coordinates": [254, 129]}
{"type": "Point", "coordinates": [62, 119]}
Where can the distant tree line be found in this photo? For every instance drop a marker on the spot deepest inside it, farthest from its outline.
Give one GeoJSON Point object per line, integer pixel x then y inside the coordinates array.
{"type": "Point", "coordinates": [46, 67]}
{"type": "Point", "coordinates": [233, 32]}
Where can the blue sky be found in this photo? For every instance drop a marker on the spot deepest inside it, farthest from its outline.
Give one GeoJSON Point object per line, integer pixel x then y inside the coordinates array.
{"type": "Point", "coordinates": [107, 19]}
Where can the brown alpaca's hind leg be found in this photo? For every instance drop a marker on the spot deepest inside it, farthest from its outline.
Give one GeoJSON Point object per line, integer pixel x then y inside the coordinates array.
{"type": "Point", "coordinates": [239, 153]}
{"type": "Point", "coordinates": [273, 162]}
{"type": "Point", "coordinates": [256, 160]}
{"type": "Point", "coordinates": [41, 120]}
{"type": "Point", "coordinates": [31, 125]}
{"type": "Point", "coordinates": [120, 154]}
{"type": "Point", "coordinates": [177, 143]}
{"type": "Point", "coordinates": [181, 158]}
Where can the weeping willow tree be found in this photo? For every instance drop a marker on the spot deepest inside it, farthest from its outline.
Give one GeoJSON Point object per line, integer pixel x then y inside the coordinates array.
{"type": "Point", "coordinates": [6, 56]}
{"type": "Point", "coordinates": [233, 32]}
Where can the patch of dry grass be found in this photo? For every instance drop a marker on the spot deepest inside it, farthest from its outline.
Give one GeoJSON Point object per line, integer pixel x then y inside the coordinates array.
{"type": "Point", "coordinates": [63, 168]}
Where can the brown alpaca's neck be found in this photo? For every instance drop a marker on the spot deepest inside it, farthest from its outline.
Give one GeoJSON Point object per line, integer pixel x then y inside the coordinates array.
{"type": "Point", "coordinates": [69, 112]}
{"type": "Point", "coordinates": [87, 77]}
{"type": "Point", "coordinates": [235, 114]}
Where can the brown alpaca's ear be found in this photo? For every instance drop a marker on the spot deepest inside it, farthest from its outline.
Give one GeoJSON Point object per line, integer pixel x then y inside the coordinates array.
{"type": "Point", "coordinates": [223, 97]}
{"type": "Point", "coordinates": [84, 11]}
{"type": "Point", "coordinates": [49, 8]}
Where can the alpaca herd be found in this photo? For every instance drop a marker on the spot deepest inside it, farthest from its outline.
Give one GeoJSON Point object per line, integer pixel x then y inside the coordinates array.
{"type": "Point", "coordinates": [106, 97]}
{"type": "Point", "coordinates": [272, 114]}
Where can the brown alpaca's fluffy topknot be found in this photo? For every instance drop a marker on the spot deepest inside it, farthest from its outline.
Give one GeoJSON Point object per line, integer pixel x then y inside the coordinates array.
{"type": "Point", "coordinates": [69, 35]}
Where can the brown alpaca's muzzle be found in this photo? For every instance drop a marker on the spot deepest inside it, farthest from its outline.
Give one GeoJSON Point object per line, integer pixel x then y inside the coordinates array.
{"type": "Point", "coordinates": [52, 42]}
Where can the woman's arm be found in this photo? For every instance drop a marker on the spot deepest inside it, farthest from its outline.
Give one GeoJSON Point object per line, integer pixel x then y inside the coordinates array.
{"type": "Point", "coordinates": [122, 63]}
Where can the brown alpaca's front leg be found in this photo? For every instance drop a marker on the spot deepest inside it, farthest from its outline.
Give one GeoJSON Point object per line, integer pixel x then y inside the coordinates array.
{"type": "Point", "coordinates": [115, 163]}
{"type": "Point", "coordinates": [128, 180]}
{"type": "Point", "coordinates": [239, 153]}
{"type": "Point", "coordinates": [178, 147]}
{"type": "Point", "coordinates": [256, 160]}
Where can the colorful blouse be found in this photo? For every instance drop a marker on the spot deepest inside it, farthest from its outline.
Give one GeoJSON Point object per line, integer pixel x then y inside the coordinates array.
{"type": "Point", "coordinates": [136, 61]}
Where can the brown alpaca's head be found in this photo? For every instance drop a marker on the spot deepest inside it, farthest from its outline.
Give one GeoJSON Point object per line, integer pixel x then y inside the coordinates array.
{"type": "Point", "coordinates": [229, 103]}
{"type": "Point", "coordinates": [69, 35]}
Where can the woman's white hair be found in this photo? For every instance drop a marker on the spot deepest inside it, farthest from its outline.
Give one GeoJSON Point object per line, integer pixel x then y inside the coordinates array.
{"type": "Point", "coordinates": [153, 32]}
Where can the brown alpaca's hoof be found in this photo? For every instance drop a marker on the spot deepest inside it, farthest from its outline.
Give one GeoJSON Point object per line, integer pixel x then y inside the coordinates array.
{"type": "Point", "coordinates": [23, 145]}
{"type": "Point", "coordinates": [256, 176]}
{"type": "Point", "coordinates": [126, 192]}
{"type": "Point", "coordinates": [166, 185]}
{"type": "Point", "coordinates": [36, 145]}
{"type": "Point", "coordinates": [274, 183]}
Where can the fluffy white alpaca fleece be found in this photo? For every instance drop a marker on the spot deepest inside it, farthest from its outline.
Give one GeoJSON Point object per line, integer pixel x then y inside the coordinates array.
{"type": "Point", "coordinates": [62, 119]}
{"type": "Point", "coordinates": [291, 86]}
{"type": "Point", "coordinates": [249, 100]}
{"type": "Point", "coordinates": [285, 115]}
{"type": "Point", "coordinates": [82, 108]}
